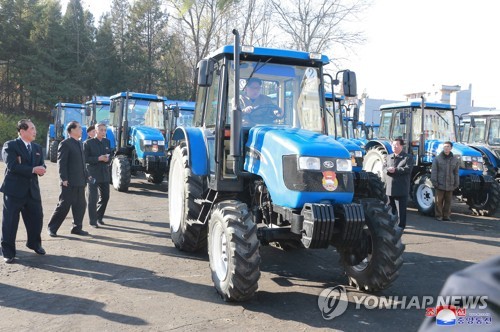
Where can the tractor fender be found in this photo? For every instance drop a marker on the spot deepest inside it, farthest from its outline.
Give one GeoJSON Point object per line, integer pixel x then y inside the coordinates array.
{"type": "Point", "coordinates": [376, 142]}
{"type": "Point", "coordinates": [197, 148]}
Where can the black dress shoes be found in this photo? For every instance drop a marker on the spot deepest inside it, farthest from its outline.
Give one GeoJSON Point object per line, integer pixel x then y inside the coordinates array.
{"type": "Point", "coordinates": [39, 250]}
{"type": "Point", "coordinates": [8, 260]}
{"type": "Point", "coordinates": [94, 226]}
{"type": "Point", "coordinates": [51, 233]}
{"type": "Point", "coordinates": [100, 222]}
{"type": "Point", "coordinates": [79, 232]}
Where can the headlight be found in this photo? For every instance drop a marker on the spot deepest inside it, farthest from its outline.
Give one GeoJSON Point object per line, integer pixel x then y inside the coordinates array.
{"type": "Point", "coordinates": [466, 158]}
{"type": "Point", "coordinates": [147, 142]}
{"type": "Point", "coordinates": [161, 143]}
{"type": "Point", "coordinates": [309, 163]}
{"type": "Point", "coordinates": [358, 154]}
{"type": "Point", "coordinates": [480, 159]}
{"type": "Point", "coordinates": [344, 165]}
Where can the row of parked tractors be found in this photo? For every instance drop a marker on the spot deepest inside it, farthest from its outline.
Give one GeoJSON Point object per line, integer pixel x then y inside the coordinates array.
{"type": "Point", "coordinates": [294, 180]}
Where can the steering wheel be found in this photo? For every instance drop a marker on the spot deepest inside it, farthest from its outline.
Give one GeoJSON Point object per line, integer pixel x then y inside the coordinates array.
{"type": "Point", "coordinates": [263, 114]}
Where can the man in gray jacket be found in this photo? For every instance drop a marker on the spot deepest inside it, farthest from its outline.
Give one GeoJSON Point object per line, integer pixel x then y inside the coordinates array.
{"type": "Point", "coordinates": [397, 171]}
{"type": "Point", "coordinates": [445, 179]}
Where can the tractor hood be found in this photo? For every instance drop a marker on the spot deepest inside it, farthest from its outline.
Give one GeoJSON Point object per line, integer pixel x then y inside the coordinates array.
{"type": "Point", "coordinates": [273, 154]}
{"type": "Point", "coordinates": [434, 147]}
{"type": "Point", "coordinates": [143, 132]}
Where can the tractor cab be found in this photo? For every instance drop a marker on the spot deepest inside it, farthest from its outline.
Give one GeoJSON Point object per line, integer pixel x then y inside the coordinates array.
{"type": "Point", "coordinates": [97, 112]}
{"type": "Point", "coordinates": [62, 114]}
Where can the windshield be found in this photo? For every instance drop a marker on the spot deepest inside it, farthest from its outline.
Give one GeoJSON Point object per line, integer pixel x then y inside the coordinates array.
{"type": "Point", "coordinates": [465, 131]}
{"type": "Point", "coordinates": [72, 114]}
{"type": "Point", "coordinates": [385, 124]}
{"type": "Point", "coordinates": [494, 132]}
{"type": "Point", "coordinates": [102, 114]}
{"type": "Point", "coordinates": [350, 128]}
{"type": "Point", "coordinates": [478, 133]}
{"type": "Point", "coordinates": [185, 119]}
{"type": "Point", "coordinates": [438, 124]}
{"type": "Point", "coordinates": [278, 94]}
{"type": "Point", "coordinates": [142, 112]}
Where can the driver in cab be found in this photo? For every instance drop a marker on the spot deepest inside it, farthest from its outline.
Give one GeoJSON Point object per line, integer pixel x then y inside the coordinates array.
{"type": "Point", "coordinates": [252, 99]}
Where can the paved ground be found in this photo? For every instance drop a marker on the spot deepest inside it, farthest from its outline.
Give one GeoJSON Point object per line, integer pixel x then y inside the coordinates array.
{"type": "Point", "coordinates": [127, 276]}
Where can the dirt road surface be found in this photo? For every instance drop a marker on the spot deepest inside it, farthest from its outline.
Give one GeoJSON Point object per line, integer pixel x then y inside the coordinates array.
{"type": "Point", "coordinates": [128, 276]}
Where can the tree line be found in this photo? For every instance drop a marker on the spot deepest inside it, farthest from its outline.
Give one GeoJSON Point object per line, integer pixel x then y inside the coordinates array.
{"type": "Point", "coordinates": [149, 46]}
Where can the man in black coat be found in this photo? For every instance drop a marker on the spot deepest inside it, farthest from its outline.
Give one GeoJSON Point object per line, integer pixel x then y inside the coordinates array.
{"type": "Point", "coordinates": [21, 191]}
{"type": "Point", "coordinates": [73, 178]}
{"type": "Point", "coordinates": [97, 151]}
{"type": "Point", "coordinates": [397, 170]}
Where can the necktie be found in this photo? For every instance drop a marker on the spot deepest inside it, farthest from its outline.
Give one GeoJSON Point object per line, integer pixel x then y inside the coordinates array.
{"type": "Point", "coordinates": [29, 149]}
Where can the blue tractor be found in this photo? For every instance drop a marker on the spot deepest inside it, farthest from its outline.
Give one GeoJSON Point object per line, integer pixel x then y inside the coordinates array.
{"type": "Point", "coordinates": [138, 125]}
{"type": "Point", "coordinates": [241, 180]}
{"type": "Point", "coordinates": [366, 184]}
{"type": "Point", "coordinates": [62, 114]}
{"type": "Point", "coordinates": [425, 127]}
{"type": "Point", "coordinates": [482, 132]}
{"type": "Point", "coordinates": [97, 111]}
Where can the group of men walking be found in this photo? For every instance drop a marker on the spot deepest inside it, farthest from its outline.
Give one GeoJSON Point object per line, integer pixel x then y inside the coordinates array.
{"type": "Point", "coordinates": [80, 165]}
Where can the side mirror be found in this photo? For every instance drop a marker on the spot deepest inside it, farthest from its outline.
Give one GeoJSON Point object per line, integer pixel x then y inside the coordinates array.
{"type": "Point", "coordinates": [355, 115]}
{"type": "Point", "coordinates": [349, 85]}
{"type": "Point", "coordinates": [175, 111]}
{"type": "Point", "coordinates": [205, 72]}
{"type": "Point", "coordinates": [402, 118]}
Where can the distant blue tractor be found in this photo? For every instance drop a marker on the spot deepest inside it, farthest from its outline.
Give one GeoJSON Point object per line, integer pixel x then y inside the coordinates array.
{"type": "Point", "coordinates": [482, 132]}
{"type": "Point", "coordinates": [139, 125]}
{"type": "Point", "coordinates": [62, 114]}
{"type": "Point", "coordinates": [366, 184]}
{"type": "Point", "coordinates": [240, 180]}
{"type": "Point", "coordinates": [424, 128]}
{"type": "Point", "coordinates": [96, 112]}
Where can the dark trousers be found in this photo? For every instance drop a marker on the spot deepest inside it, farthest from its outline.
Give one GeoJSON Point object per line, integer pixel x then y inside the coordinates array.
{"type": "Point", "coordinates": [32, 213]}
{"type": "Point", "coordinates": [70, 197]}
{"type": "Point", "coordinates": [443, 203]}
{"type": "Point", "coordinates": [398, 206]}
{"type": "Point", "coordinates": [97, 207]}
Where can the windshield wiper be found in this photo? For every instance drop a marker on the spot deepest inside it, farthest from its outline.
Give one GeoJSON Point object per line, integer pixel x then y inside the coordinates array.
{"type": "Point", "coordinates": [255, 69]}
{"type": "Point", "coordinates": [442, 118]}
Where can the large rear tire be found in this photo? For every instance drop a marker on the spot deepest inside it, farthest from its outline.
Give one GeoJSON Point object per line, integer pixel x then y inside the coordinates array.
{"type": "Point", "coordinates": [384, 250]}
{"type": "Point", "coordinates": [184, 190]}
{"type": "Point", "coordinates": [424, 195]}
{"type": "Point", "coordinates": [233, 249]}
{"type": "Point", "coordinates": [485, 203]}
{"type": "Point", "coordinates": [374, 161]}
{"type": "Point", "coordinates": [120, 173]}
{"type": "Point", "coordinates": [54, 145]}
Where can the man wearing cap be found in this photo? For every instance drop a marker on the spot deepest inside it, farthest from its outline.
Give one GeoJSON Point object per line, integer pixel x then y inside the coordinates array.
{"type": "Point", "coordinates": [97, 156]}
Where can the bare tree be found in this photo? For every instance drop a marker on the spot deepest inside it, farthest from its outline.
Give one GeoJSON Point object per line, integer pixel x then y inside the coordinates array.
{"type": "Point", "coordinates": [315, 25]}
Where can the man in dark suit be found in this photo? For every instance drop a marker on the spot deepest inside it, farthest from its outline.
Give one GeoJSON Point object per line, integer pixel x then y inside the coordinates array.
{"type": "Point", "coordinates": [397, 170]}
{"type": "Point", "coordinates": [21, 192]}
{"type": "Point", "coordinates": [73, 177]}
{"type": "Point", "coordinates": [97, 151]}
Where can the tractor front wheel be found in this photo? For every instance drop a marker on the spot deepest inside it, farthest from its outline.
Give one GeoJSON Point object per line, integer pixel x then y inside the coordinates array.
{"type": "Point", "coordinates": [381, 247]}
{"type": "Point", "coordinates": [120, 173]}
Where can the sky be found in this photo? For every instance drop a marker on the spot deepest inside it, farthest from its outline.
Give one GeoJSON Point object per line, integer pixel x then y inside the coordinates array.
{"type": "Point", "coordinates": [415, 44]}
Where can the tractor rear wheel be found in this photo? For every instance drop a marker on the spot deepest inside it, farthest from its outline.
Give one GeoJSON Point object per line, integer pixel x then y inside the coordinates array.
{"type": "Point", "coordinates": [233, 250]}
{"type": "Point", "coordinates": [54, 145]}
{"type": "Point", "coordinates": [184, 190]}
{"type": "Point", "coordinates": [120, 173]}
{"type": "Point", "coordinates": [381, 247]}
{"type": "Point", "coordinates": [423, 195]}
{"type": "Point", "coordinates": [374, 161]}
